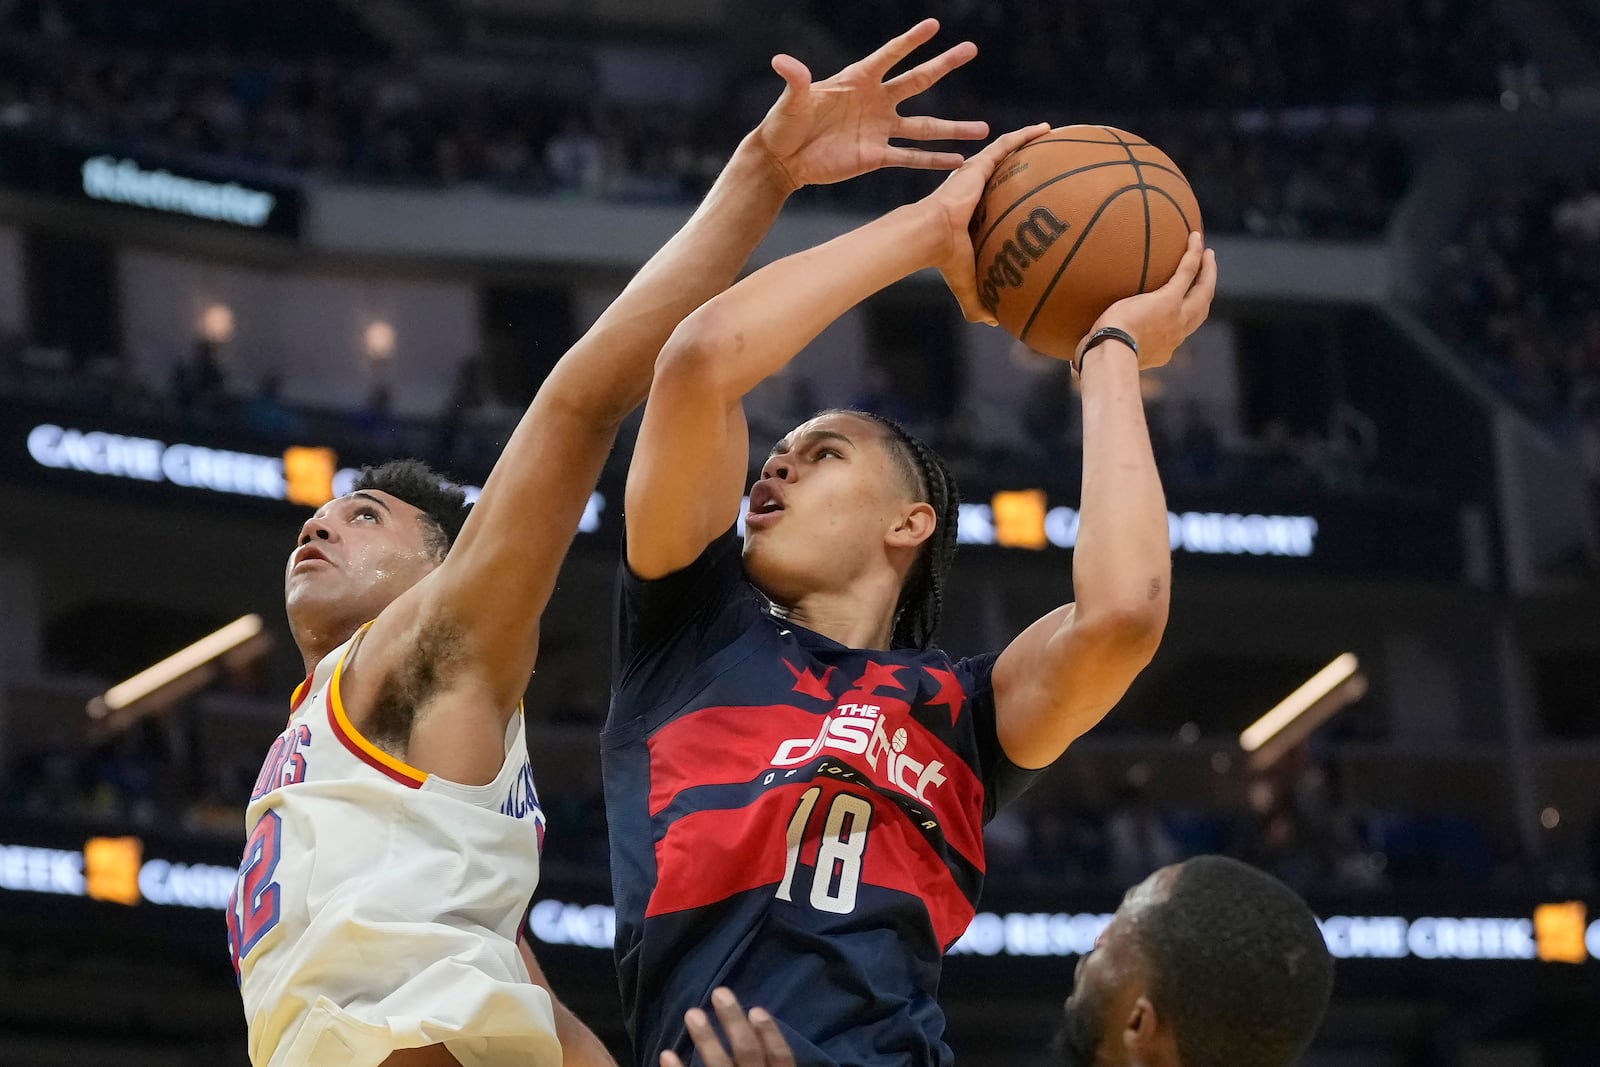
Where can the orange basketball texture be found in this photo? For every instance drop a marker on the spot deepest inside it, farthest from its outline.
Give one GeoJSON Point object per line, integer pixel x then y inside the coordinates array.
{"type": "Point", "coordinates": [1071, 223]}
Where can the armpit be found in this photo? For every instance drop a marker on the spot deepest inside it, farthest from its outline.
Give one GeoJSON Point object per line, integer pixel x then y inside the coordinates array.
{"type": "Point", "coordinates": [408, 687]}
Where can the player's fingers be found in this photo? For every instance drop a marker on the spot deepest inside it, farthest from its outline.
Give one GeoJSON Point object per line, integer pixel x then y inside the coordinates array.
{"type": "Point", "coordinates": [1188, 268]}
{"type": "Point", "coordinates": [962, 279]}
{"type": "Point", "coordinates": [972, 310]}
{"type": "Point", "coordinates": [893, 51]}
{"type": "Point", "coordinates": [741, 1035]}
{"type": "Point", "coordinates": [1001, 147]}
{"type": "Point", "coordinates": [924, 76]}
{"type": "Point", "coordinates": [1197, 301]}
{"type": "Point", "coordinates": [928, 128]}
{"type": "Point", "coordinates": [1008, 143]}
{"type": "Point", "coordinates": [706, 1042]}
{"type": "Point", "coordinates": [795, 74]}
{"type": "Point", "coordinates": [779, 1054]}
{"type": "Point", "coordinates": [670, 1059]}
{"type": "Point", "coordinates": [915, 158]}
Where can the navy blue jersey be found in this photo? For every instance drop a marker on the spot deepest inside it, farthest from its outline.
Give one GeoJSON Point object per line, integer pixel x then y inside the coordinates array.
{"type": "Point", "coordinates": [797, 820]}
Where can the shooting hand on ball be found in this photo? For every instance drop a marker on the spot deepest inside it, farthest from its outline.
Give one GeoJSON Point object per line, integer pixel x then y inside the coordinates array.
{"type": "Point", "coordinates": [1163, 318]}
{"type": "Point", "coordinates": [955, 200]}
{"type": "Point", "coordinates": [824, 132]}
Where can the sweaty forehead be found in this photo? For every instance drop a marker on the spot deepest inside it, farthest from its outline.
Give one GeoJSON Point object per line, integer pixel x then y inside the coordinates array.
{"type": "Point", "coordinates": [852, 428]}
{"type": "Point", "coordinates": [384, 501]}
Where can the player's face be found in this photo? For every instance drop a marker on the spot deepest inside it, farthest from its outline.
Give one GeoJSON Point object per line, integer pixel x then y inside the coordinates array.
{"type": "Point", "coordinates": [355, 556]}
{"type": "Point", "coordinates": [1107, 982]}
{"type": "Point", "coordinates": [827, 497]}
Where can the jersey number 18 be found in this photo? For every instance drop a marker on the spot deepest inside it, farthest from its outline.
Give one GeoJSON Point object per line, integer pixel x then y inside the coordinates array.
{"type": "Point", "coordinates": [838, 873]}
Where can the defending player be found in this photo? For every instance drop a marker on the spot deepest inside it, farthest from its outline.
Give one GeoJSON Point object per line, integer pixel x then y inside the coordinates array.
{"type": "Point", "coordinates": [796, 782]}
{"type": "Point", "coordinates": [394, 830]}
{"type": "Point", "coordinates": [1207, 963]}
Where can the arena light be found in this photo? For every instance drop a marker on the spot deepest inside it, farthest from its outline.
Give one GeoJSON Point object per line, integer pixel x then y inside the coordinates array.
{"type": "Point", "coordinates": [379, 339]}
{"type": "Point", "coordinates": [216, 324]}
{"type": "Point", "coordinates": [178, 667]}
{"type": "Point", "coordinates": [1296, 715]}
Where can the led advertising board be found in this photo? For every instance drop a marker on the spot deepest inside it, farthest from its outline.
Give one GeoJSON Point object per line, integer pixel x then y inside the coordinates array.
{"type": "Point", "coordinates": [1324, 536]}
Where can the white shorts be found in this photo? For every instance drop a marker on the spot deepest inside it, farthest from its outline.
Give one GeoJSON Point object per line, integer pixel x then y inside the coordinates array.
{"type": "Point", "coordinates": [482, 1020]}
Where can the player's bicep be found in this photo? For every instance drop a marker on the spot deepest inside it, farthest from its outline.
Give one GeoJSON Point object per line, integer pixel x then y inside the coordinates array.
{"type": "Point", "coordinates": [476, 617]}
{"type": "Point", "coordinates": [688, 468]}
{"type": "Point", "coordinates": [1053, 683]}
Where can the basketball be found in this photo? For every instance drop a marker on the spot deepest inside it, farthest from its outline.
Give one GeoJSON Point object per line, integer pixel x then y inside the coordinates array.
{"type": "Point", "coordinates": [1071, 223]}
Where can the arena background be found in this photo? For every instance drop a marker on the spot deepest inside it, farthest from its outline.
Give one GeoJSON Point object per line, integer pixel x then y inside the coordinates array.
{"type": "Point", "coordinates": [247, 245]}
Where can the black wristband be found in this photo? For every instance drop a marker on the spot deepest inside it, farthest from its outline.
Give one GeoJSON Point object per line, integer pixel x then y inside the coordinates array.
{"type": "Point", "coordinates": [1104, 333]}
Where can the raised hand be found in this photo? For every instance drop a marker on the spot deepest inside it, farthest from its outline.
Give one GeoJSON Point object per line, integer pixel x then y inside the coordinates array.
{"type": "Point", "coordinates": [753, 1040]}
{"type": "Point", "coordinates": [955, 200]}
{"type": "Point", "coordinates": [824, 132]}
{"type": "Point", "coordinates": [1163, 318]}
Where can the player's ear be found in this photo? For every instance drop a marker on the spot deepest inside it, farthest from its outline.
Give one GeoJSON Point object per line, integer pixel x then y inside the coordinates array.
{"type": "Point", "coordinates": [1145, 1036]}
{"type": "Point", "coordinates": [913, 526]}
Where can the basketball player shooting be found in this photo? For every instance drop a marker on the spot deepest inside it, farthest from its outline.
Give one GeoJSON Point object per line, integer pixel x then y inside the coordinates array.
{"type": "Point", "coordinates": [1206, 963]}
{"type": "Point", "coordinates": [394, 831]}
{"type": "Point", "coordinates": [796, 780]}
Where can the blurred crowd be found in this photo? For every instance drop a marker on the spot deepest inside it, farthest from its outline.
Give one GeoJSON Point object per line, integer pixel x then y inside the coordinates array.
{"type": "Point", "coordinates": [1318, 176]}
{"type": "Point", "coordinates": [1143, 55]}
{"type": "Point", "coordinates": [1294, 822]}
{"type": "Point", "coordinates": [200, 398]}
{"type": "Point", "coordinates": [1193, 449]}
{"type": "Point", "coordinates": [1321, 171]}
{"type": "Point", "coordinates": [1519, 294]}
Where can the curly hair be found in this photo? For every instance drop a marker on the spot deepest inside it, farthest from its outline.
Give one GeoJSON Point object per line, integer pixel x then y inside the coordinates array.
{"type": "Point", "coordinates": [443, 505]}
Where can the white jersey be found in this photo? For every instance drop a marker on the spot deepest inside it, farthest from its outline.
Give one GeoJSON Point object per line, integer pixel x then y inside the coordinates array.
{"type": "Point", "coordinates": [378, 907]}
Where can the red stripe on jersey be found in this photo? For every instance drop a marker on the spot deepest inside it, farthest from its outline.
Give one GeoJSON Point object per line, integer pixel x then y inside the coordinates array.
{"type": "Point", "coordinates": [354, 743]}
{"type": "Point", "coordinates": [301, 691]}
{"type": "Point", "coordinates": [727, 745]}
{"type": "Point", "coordinates": [718, 746]}
{"type": "Point", "coordinates": [708, 856]}
{"type": "Point", "coordinates": [898, 857]}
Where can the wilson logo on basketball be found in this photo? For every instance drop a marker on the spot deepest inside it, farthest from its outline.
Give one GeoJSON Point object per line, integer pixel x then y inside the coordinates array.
{"type": "Point", "coordinates": [1033, 238]}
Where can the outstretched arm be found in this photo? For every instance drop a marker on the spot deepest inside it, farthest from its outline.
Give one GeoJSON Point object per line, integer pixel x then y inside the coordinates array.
{"type": "Point", "coordinates": [689, 464]}
{"type": "Point", "coordinates": [481, 607]}
{"type": "Point", "coordinates": [1061, 675]}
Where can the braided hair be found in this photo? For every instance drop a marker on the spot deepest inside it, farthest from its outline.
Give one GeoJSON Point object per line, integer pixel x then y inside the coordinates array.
{"type": "Point", "coordinates": [916, 616]}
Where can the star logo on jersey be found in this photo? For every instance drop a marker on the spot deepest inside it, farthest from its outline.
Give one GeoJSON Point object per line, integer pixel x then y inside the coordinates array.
{"type": "Point", "coordinates": [809, 684]}
{"type": "Point", "coordinates": [950, 693]}
{"type": "Point", "coordinates": [879, 676]}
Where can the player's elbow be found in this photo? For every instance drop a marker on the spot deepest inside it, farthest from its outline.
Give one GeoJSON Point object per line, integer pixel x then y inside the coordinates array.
{"type": "Point", "coordinates": [1128, 633]}
{"type": "Point", "coordinates": [699, 353]}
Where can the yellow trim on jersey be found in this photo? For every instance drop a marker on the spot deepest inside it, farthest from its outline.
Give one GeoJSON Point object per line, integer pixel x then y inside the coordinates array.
{"type": "Point", "coordinates": [345, 726]}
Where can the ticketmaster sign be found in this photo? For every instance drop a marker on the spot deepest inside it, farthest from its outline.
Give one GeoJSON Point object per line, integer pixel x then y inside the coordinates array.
{"type": "Point", "coordinates": [123, 181]}
{"type": "Point", "coordinates": [179, 186]}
